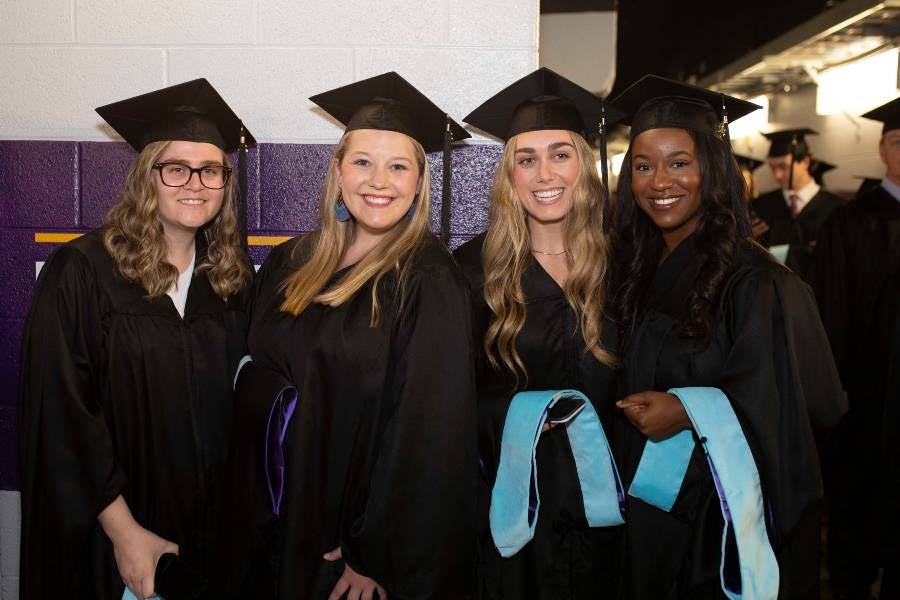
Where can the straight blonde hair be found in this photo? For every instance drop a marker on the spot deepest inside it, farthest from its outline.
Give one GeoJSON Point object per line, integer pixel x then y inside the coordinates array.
{"type": "Point", "coordinates": [135, 239]}
{"type": "Point", "coordinates": [326, 246]}
{"type": "Point", "coordinates": [507, 253]}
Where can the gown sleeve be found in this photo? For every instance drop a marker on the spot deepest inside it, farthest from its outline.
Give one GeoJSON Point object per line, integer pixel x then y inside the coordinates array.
{"type": "Point", "coordinates": [247, 512]}
{"type": "Point", "coordinates": [70, 473]}
{"type": "Point", "coordinates": [783, 384]}
{"type": "Point", "coordinates": [846, 274]}
{"type": "Point", "coordinates": [416, 536]}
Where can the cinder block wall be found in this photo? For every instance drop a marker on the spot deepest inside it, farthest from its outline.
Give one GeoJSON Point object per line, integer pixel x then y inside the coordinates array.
{"type": "Point", "coordinates": [61, 58]}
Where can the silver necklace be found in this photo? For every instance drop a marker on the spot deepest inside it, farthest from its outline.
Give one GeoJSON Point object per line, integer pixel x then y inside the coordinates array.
{"type": "Point", "coordinates": [548, 253]}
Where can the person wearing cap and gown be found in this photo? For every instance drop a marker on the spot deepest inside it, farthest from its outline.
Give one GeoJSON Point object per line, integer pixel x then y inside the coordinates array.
{"type": "Point", "coordinates": [747, 165]}
{"type": "Point", "coordinates": [703, 308]}
{"type": "Point", "coordinates": [134, 333]}
{"type": "Point", "coordinates": [366, 323]}
{"type": "Point", "coordinates": [823, 239]}
{"type": "Point", "coordinates": [883, 201]}
{"type": "Point", "coordinates": [862, 270]}
{"type": "Point", "coordinates": [808, 231]}
{"type": "Point", "coordinates": [538, 280]}
{"type": "Point", "coordinates": [796, 212]}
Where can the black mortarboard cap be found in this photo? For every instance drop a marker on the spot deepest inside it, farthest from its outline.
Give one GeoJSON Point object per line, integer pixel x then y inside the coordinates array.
{"type": "Point", "coordinates": [390, 103]}
{"type": "Point", "coordinates": [819, 168]}
{"type": "Point", "coordinates": [748, 162]}
{"type": "Point", "coordinates": [889, 114]}
{"type": "Point", "coordinates": [787, 140]}
{"type": "Point", "coordinates": [542, 100]}
{"type": "Point", "coordinates": [192, 111]}
{"type": "Point", "coordinates": [655, 102]}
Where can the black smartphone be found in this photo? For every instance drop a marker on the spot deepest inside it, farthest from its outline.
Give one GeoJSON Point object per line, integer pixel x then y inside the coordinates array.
{"type": "Point", "coordinates": [174, 579]}
{"type": "Point", "coordinates": [564, 410]}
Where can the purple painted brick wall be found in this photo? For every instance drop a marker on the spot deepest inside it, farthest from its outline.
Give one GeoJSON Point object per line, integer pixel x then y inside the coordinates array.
{"type": "Point", "coordinates": [69, 186]}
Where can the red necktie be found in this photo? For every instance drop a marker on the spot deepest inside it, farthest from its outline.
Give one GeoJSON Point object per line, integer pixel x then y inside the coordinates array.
{"type": "Point", "coordinates": [796, 204]}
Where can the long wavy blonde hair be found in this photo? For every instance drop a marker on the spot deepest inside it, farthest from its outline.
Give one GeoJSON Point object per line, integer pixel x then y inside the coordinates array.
{"type": "Point", "coordinates": [326, 246]}
{"type": "Point", "coordinates": [134, 236]}
{"type": "Point", "coordinates": [507, 253]}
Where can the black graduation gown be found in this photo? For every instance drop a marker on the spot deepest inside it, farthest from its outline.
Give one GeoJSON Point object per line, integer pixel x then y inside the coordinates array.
{"type": "Point", "coordinates": [879, 203]}
{"type": "Point", "coordinates": [865, 452]}
{"type": "Point", "coordinates": [885, 382]}
{"type": "Point", "coordinates": [380, 455]}
{"type": "Point", "coordinates": [120, 395]}
{"type": "Point", "coordinates": [847, 274]}
{"type": "Point", "coordinates": [769, 355]}
{"type": "Point", "coordinates": [566, 558]}
{"type": "Point", "coordinates": [801, 233]}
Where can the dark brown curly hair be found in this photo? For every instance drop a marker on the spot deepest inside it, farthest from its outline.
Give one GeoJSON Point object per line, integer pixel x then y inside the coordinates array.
{"type": "Point", "coordinates": [723, 227]}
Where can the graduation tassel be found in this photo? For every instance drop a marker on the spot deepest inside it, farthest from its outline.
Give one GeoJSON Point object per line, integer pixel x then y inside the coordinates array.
{"type": "Point", "coordinates": [740, 208]}
{"type": "Point", "coordinates": [604, 171]}
{"type": "Point", "coordinates": [791, 169]}
{"type": "Point", "coordinates": [445, 185]}
{"type": "Point", "coordinates": [242, 189]}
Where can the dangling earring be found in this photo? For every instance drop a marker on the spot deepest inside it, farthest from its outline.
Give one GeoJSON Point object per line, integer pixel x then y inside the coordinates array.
{"type": "Point", "coordinates": [341, 212]}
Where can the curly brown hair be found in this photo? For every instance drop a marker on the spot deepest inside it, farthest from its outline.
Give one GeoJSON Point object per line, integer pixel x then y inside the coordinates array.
{"type": "Point", "coordinates": [133, 235]}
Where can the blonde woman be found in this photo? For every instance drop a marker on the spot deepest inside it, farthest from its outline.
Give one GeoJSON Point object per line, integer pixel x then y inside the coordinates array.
{"type": "Point", "coordinates": [368, 320]}
{"type": "Point", "coordinates": [128, 351]}
{"type": "Point", "coordinates": [538, 278]}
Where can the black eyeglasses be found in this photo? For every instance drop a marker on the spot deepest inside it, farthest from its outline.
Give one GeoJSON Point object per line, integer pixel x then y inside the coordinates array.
{"type": "Point", "coordinates": [175, 174]}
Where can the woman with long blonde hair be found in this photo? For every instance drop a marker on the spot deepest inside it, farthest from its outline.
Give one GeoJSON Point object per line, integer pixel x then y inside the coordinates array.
{"type": "Point", "coordinates": [132, 338]}
{"type": "Point", "coordinates": [538, 279]}
{"type": "Point", "coordinates": [368, 321]}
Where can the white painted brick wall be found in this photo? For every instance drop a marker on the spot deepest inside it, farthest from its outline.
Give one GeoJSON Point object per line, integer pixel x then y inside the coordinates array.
{"type": "Point", "coordinates": [275, 108]}
{"type": "Point", "coordinates": [353, 23]}
{"type": "Point", "coordinates": [461, 77]}
{"type": "Point", "coordinates": [166, 22]}
{"type": "Point", "coordinates": [51, 92]}
{"type": "Point", "coordinates": [495, 24]}
{"type": "Point", "coordinates": [59, 59]}
{"type": "Point", "coordinates": [36, 22]}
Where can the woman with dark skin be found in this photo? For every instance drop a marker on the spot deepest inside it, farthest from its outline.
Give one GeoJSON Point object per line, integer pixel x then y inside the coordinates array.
{"type": "Point", "coordinates": [702, 305]}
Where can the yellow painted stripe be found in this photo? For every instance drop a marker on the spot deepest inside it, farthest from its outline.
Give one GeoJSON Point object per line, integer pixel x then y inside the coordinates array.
{"type": "Point", "coordinates": [62, 238]}
{"type": "Point", "coordinates": [55, 238]}
{"type": "Point", "coordinates": [266, 240]}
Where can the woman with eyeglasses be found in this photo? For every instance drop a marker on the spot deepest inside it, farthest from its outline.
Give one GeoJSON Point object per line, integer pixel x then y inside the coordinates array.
{"type": "Point", "coordinates": [129, 352]}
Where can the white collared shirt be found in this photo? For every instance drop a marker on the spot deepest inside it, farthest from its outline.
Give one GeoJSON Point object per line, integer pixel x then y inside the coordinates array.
{"type": "Point", "coordinates": [806, 193]}
{"type": "Point", "coordinates": [178, 293]}
{"type": "Point", "coordinates": [892, 188]}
